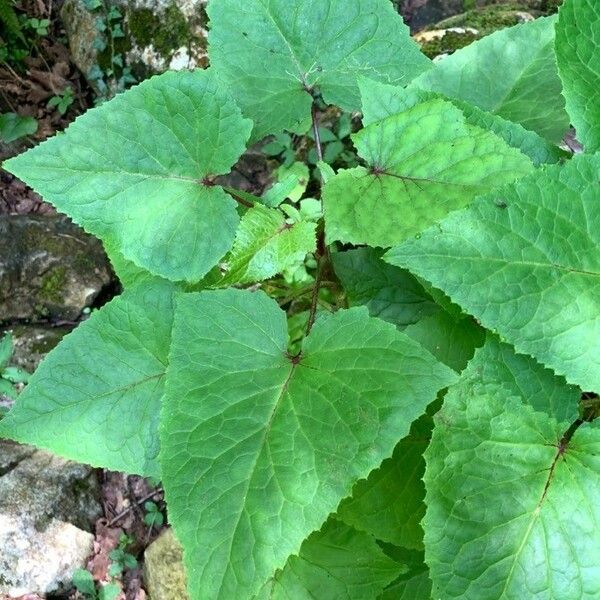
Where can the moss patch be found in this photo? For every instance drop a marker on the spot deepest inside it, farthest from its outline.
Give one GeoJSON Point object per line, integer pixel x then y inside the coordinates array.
{"type": "Point", "coordinates": [486, 20]}
{"type": "Point", "coordinates": [166, 31]}
{"type": "Point", "coordinates": [53, 285]}
{"type": "Point", "coordinates": [447, 44]}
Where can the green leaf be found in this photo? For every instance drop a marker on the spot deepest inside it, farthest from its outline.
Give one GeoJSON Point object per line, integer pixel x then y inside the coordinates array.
{"type": "Point", "coordinates": [412, 585]}
{"type": "Point", "coordinates": [511, 73]}
{"type": "Point", "coordinates": [96, 397]}
{"type": "Point", "coordinates": [388, 292]}
{"type": "Point", "coordinates": [389, 504]}
{"type": "Point", "coordinates": [6, 348]}
{"type": "Point", "coordinates": [128, 273]}
{"type": "Point", "coordinates": [7, 389]}
{"type": "Point", "coordinates": [273, 53]}
{"type": "Point", "coordinates": [524, 261]}
{"type": "Point", "coordinates": [258, 447]}
{"type": "Point", "coordinates": [109, 591]}
{"type": "Point", "coordinates": [423, 163]}
{"type": "Point", "coordinates": [336, 563]}
{"type": "Point", "coordinates": [266, 245]}
{"type": "Point", "coordinates": [578, 56]}
{"type": "Point", "coordinates": [15, 374]}
{"type": "Point", "coordinates": [498, 365]}
{"type": "Point", "coordinates": [281, 190]}
{"type": "Point", "coordinates": [13, 126]}
{"type": "Point", "coordinates": [84, 582]}
{"type": "Point", "coordinates": [131, 172]}
{"type": "Point", "coordinates": [452, 340]}
{"type": "Point", "coordinates": [509, 514]}
{"type": "Point", "coordinates": [380, 100]}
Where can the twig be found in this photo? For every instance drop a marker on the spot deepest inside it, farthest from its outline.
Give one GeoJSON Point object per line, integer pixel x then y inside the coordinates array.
{"type": "Point", "coordinates": [126, 511]}
{"type": "Point", "coordinates": [317, 135]}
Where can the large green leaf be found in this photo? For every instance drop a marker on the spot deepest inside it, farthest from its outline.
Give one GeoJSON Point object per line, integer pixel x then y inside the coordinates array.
{"type": "Point", "coordinates": [96, 397]}
{"type": "Point", "coordinates": [415, 583]}
{"type": "Point", "coordinates": [578, 56]}
{"type": "Point", "coordinates": [259, 447]}
{"type": "Point", "coordinates": [509, 514]}
{"type": "Point", "coordinates": [389, 504]}
{"type": "Point", "coordinates": [265, 245]}
{"type": "Point", "coordinates": [422, 163]}
{"type": "Point", "coordinates": [272, 53]}
{"type": "Point", "coordinates": [511, 73]}
{"type": "Point", "coordinates": [451, 339]}
{"type": "Point", "coordinates": [390, 293]}
{"type": "Point", "coordinates": [131, 172]}
{"type": "Point", "coordinates": [525, 262]}
{"type": "Point", "coordinates": [336, 563]}
{"type": "Point", "coordinates": [381, 100]}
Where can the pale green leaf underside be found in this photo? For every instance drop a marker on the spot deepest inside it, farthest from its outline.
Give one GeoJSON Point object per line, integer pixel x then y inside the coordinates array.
{"type": "Point", "coordinates": [390, 293]}
{"type": "Point", "coordinates": [389, 504]}
{"type": "Point", "coordinates": [257, 448]}
{"type": "Point", "coordinates": [424, 162]}
{"type": "Point", "coordinates": [525, 262]}
{"type": "Point", "coordinates": [578, 57]}
{"type": "Point", "coordinates": [270, 52]}
{"type": "Point", "coordinates": [501, 522]}
{"type": "Point", "coordinates": [96, 397]}
{"type": "Point", "coordinates": [131, 171]}
{"type": "Point", "coordinates": [381, 100]}
{"type": "Point", "coordinates": [511, 73]}
{"type": "Point", "coordinates": [265, 245]}
{"type": "Point", "coordinates": [336, 563]}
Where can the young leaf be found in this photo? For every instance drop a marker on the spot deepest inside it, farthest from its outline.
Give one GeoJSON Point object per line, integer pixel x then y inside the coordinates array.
{"type": "Point", "coordinates": [273, 54]}
{"type": "Point", "coordinates": [337, 563]}
{"type": "Point", "coordinates": [524, 261]}
{"type": "Point", "coordinates": [423, 163]}
{"type": "Point", "coordinates": [380, 100]}
{"type": "Point", "coordinates": [390, 293]}
{"type": "Point", "coordinates": [511, 73]}
{"type": "Point", "coordinates": [131, 172]}
{"type": "Point", "coordinates": [259, 447]}
{"type": "Point", "coordinates": [511, 513]}
{"type": "Point", "coordinates": [578, 56]}
{"type": "Point", "coordinates": [96, 397]}
{"type": "Point", "coordinates": [389, 504]}
{"type": "Point", "coordinates": [266, 245]}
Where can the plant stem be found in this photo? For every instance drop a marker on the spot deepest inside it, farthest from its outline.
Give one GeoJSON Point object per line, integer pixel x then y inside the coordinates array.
{"type": "Point", "coordinates": [126, 511]}
{"type": "Point", "coordinates": [317, 135]}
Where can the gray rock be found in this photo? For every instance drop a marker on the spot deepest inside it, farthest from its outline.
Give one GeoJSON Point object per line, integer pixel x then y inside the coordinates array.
{"type": "Point", "coordinates": [32, 343]}
{"type": "Point", "coordinates": [49, 268]}
{"type": "Point", "coordinates": [157, 35]}
{"type": "Point", "coordinates": [47, 506]}
{"type": "Point", "coordinates": [163, 568]}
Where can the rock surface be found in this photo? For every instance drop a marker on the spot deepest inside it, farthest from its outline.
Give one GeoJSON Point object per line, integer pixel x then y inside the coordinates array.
{"type": "Point", "coordinates": [50, 269]}
{"type": "Point", "coordinates": [152, 36]}
{"type": "Point", "coordinates": [163, 569]}
{"type": "Point", "coordinates": [47, 505]}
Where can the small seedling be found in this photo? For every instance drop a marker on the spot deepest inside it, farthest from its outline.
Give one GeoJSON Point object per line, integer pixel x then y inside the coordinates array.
{"type": "Point", "coordinates": [86, 586]}
{"type": "Point", "coordinates": [62, 101]}
{"type": "Point", "coordinates": [153, 516]}
{"type": "Point", "coordinates": [121, 558]}
{"type": "Point", "coordinates": [40, 26]}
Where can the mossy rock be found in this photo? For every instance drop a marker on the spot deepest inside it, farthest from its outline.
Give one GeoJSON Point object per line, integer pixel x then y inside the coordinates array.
{"type": "Point", "coordinates": [50, 269]}
{"type": "Point", "coordinates": [488, 19]}
{"type": "Point", "coordinates": [163, 568]}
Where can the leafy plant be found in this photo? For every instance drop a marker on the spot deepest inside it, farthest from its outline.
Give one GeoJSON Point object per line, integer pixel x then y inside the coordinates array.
{"type": "Point", "coordinates": [62, 101]}
{"type": "Point", "coordinates": [413, 417]}
{"type": "Point", "coordinates": [13, 127]}
{"type": "Point", "coordinates": [153, 516]}
{"type": "Point", "coordinates": [39, 26]}
{"type": "Point", "coordinates": [86, 586]}
{"type": "Point", "coordinates": [121, 559]}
